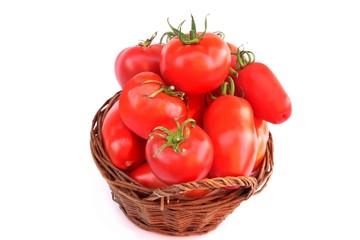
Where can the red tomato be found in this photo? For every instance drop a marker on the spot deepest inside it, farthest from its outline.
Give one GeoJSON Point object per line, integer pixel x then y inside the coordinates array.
{"type": "Point", "coordinates": [195, 68]}
{"type": "Point", "coordinates": [145, 103]}
{"type": "Point", "coordinates": [197, 193]}
{"type": "Point", "coordinates": [262, 133]}
{"type": "Point", "coordinates": [179, 153]}
{"type": "Point", "coordinates": [264, 92]}
{"type": "Point", "coordinates": [125, 149]}
{"type": "Point", "coordinates": [146, 177]}
{"type": "Point", "coordinates": [233, 49]}
{"type": "Point", "coordinates": [144, 57]}
{"type": "Point", "coordinates": [229, 121]}
{"type": "Point", "coordinates": [196, 107]}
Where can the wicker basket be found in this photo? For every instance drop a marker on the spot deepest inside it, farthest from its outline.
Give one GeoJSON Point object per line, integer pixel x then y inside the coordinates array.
{"type": "Point", "coordinates": [167, 210]}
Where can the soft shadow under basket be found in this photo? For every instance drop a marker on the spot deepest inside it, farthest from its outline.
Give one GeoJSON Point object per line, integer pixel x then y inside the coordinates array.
{"type": "Point", "coordinates": [167, 210]}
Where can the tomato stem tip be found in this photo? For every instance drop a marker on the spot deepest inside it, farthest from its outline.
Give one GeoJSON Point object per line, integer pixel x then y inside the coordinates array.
{"type": "Point", "coordinates": [169, 90]}
{"type": "Point", "coordinates": [146, 43]}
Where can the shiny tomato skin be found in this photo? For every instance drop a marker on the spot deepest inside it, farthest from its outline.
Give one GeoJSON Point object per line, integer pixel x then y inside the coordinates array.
{"type": "Point", "coordinates": [125, 149]}
{"type": "Point", "coordinates": [146, 177]}
{"type": "Point", "coordinates": [172, 167]}
{"type": "Point", "coordinates": [196, 107]}
{"type": "Point", "coordinates": [229, 121]}
{"type": "Point", "coordinates": [262, 133]}
{"type": "Point", "coordinates": [265, 93]}
{"type": "Point", "coordinates": [198, 68]}
{"type": "Point", "coordinates": [133, 60]}
{"type": "Point", "coordinates": [141, 113]}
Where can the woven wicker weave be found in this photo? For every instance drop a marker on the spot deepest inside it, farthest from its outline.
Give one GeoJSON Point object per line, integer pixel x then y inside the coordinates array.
{"type": "Point", "coordinates": [167, 210]}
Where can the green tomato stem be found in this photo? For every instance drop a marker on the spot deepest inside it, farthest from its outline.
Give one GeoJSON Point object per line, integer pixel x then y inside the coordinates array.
{"type": "Point", "coordinates": [168, 36]}
{"type": "Point", "coordinates": [244, 58]}
{"type": "Point", "coordinates": [233, 72]}
{"type": "Point", "coordinates": [169, 90]}
{"type": "Point", "coordinates": [226, 88]}
{"type": "Point", "coordinates": [220, 34]}
{"type": "Point", "coordinates": [146, 43]}
{"type": "Point", "coordinates": [232, 86]}
{"type": "Point", "coordinates": [175, 138]}
{"type": "Point", "coordinates": [192, 37]}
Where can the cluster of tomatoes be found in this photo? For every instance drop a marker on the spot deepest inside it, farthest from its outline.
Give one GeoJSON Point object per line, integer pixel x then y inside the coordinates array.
{"type": "Point", "coordinates": [191, 108]}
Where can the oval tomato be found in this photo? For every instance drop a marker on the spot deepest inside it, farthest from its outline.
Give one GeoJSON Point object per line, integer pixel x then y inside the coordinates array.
{"type": "Point", "coordinates": [264, 92]}
{"type": "Point", "coordinates": [146, 177]}
{"type": "Point", "coordinates": [179, 153]}
{"type": "Point", "coordinates": [146, 102]}
{"type": "Point", "coordinates": [144, 57]}
{"type": "Point", "coordinates": [125, 149]}
{"type": "Point", "coordinates": [195, 63]}
{"type": "Point", "coordinates": [262, 133]}
{"type": "Point", "coordinates": [229, 122]}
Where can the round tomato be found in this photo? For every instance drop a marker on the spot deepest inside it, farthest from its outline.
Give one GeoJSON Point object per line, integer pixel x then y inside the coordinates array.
{"type": "Point", "coordinates": [140, 58]}
{"type": "Point", "coordinates": [229, 121]}
{"type": "Point", "coordinates": [179, 152]}
{"type": "Point", "coordinates": [146, 177]}
{"type": "Point", "coordinates": [262, 133]}
{"type": "Point", "coordinates": [125, 149]}
{"type": "Point", "coordinates": [263, 90]}
{"type": "Point", "coordinates": [146, 102]}
{"type": "Point", "coordinates": [195, 63]}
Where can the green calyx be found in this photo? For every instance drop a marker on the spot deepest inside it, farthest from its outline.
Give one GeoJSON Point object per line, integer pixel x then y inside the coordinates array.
{"type": "Point", "coordinates": [169, 90]}
{"type": "Point", "coordinates": [190, 38]}
{"type": "Point", "coordinates": [175, 138]}
{"type": "Point", "coordinates": [146, 43]}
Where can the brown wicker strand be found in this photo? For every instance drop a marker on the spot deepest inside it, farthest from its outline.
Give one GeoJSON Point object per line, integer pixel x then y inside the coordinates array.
{"type": "Point", "coordinates": [214, 183]}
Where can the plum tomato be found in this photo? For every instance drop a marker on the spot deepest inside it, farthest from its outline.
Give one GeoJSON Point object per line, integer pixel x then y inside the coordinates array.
{"type": "Point", "coordinates": [229, 121]}
{"type": "Point", "coordinates": [124, 148]}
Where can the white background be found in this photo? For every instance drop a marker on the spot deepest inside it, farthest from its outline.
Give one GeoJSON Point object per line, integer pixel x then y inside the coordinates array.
{"type": "Point", "coordinates": [56, 70]}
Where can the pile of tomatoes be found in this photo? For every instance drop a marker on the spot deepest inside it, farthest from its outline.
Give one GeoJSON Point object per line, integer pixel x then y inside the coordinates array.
{"type": "Point", "coordinates": [191, 108]}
